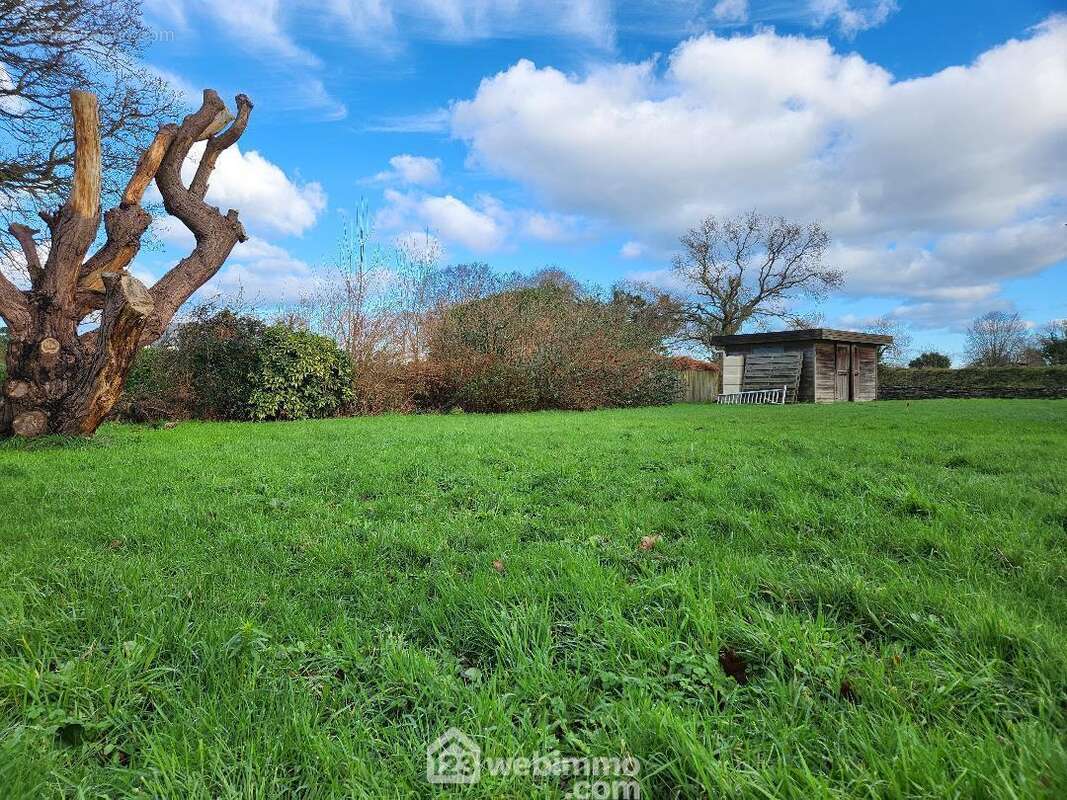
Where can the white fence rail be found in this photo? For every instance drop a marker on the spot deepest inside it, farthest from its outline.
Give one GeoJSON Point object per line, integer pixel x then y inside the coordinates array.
{"type": "Point", "coordinates": [757, 397]}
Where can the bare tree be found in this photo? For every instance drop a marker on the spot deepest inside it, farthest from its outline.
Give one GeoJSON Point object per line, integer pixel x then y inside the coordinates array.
{"type": "Point", "coordinates": [412, 294]}
{"type": "Point", "coordinates": [62, 380]}
{"type": "Point", "coordinates": [1053, 343]}
{"type": "Point", "coordinates": [996, 339]}
{"type": "Point", "coordinates": [349, 302]}
{"type": "Point", "coordinates": [750, 268]}
{"type": "Point", "coordinates": [49, 48]}
{"type": "Point", "coordinates": [895, 354]}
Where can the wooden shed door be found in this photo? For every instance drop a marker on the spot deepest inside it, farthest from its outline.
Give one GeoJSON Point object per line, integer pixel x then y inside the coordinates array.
{"type": "Point", "coordinates": [844, 372]}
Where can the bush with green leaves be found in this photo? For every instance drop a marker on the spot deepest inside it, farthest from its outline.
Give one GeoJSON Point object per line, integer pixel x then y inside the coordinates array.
{"type": "Point", "coordinates": [224, 365]}
{"type": "Point", "coordinates": [215, 355]}
{"type": "Point", "coordinates": [930, 360]}
{"type": "Point", "coordinates": [298, 375]}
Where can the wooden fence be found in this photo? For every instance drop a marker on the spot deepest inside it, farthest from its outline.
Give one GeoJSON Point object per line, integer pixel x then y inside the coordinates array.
{"type": "Point", "coordinates": [700, 385]}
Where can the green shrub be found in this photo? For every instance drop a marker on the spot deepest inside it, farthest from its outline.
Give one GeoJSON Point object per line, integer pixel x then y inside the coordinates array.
{"type": "Point", "coordinates": [155, 388]}
{"type": "Point", "coordinates": [224, 365]}
{"type": "Point", "coordinates": [298, 375]}
{"type": "Point", "coordinates": [216, 355]}
{"type": "Point", "coordinates": [931, 360]}
{"type": "Point", "coordinates": [659, 386]}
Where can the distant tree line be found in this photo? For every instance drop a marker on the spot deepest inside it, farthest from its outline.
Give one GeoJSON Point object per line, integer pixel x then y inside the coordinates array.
{"type": "Point", "coordinates": [1002, 339]}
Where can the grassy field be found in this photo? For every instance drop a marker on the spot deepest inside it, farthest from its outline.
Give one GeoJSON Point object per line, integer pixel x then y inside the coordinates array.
{"type": "Point", "coordinates": [860, 600]}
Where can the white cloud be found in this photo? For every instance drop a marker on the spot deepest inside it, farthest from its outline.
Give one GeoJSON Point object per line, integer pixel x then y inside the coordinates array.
{"type": "Point", "coordinates": [943, 181]}
{"type": "Point", "coordinates": [385, 23]}
{"type": "Point", "coordinates": [263, 273]}
{"type": "Point", "coordinates": [851, 17]}
{"type": "Point", "coordinates": [259, 25]}
{"type": "Point", "coordinates": [632, 249]}
{"type": "Point", "coordinates": [264, 195]}
{"type": "Point", "coordinates": [730, 11]}
{"type": "Point", "coordinates": [309, 94]}
{"type": "Point", "coordinates": [412, 171]}
{"type": "Point", "coordinates": [550, 228]}
{"type": "Point", "coordinates": [263, 28]}
{"type": "Point", "coordinates": [484, 227]}
{"type": "Point", "coordinates": [446, 217]}
{"type": "Point", "coordinates": [957, 266]}
{"type": "Point", "coordinates": [171, 12]}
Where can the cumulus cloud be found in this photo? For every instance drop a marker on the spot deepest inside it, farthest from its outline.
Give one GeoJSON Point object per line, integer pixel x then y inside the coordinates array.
{"type": "Point", "coordinates": [411, 170]}
{"type": "Point", "coordinates": [484, 227]}
{"type": "Point", "coordinates": [269, 201]}
{"type": "Point", "coordinates": [445, 216]}
{"type": "Point", "coordinates": [632, 249]}
{"type": "Point", "coordinates": [927, 183]}
{"type": "Point", "coordinates": [262, 272]}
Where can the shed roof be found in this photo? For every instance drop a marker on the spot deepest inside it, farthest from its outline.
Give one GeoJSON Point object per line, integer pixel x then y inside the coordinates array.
{"type": "Point", "coordinates": [805, 335]}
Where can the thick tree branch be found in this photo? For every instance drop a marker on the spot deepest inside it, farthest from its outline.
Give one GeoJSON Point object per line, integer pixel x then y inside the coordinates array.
{"type": "Point", "coordinates": [216, 234]}
{"type": "Point", "coordinates": [125, 225]}
{"type": "Point", "coordinates": [148, 165]}
{"type": "Point", "coordinates": [14, 308]}
{"type": "Point", "coordinates": [24, 236]}
{"type": "Point", "coordinates": [127, 308]}
{"type": "Point", "coordinates": [74, 225]}
{"type": "Point", "coordinates": [216, 144]}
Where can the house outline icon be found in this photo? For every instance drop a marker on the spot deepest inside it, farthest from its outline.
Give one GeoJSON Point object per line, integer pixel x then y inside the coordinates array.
{"type": "Point", "coordinates": [453, 758]}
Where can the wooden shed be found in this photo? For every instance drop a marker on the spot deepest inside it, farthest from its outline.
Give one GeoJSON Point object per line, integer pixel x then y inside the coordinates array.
{"type": "Point", "coordinates": [836, 365]}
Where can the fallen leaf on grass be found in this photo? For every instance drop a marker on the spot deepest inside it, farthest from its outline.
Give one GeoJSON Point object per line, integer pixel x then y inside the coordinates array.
{"type": "Point", "coordinates": [648, 542]}
{"type": "Point", "coordinates": [848, 693]}
{"type": "Point", "coordinates": [498, 565]}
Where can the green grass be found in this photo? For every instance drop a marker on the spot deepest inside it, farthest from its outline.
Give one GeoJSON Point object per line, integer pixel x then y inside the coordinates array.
{"type": "Point", "coordinates": [296, 609]}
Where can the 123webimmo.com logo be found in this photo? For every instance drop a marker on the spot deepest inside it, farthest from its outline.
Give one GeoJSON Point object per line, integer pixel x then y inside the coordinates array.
{"type": "Point", "coordinates": [455, 759]}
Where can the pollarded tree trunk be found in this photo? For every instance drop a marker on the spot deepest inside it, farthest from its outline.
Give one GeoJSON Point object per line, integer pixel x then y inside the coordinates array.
{"type": "Point", "coordinates": [60, 379]}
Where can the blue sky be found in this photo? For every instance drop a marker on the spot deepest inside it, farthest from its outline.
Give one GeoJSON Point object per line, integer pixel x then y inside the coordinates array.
{"type": "Point", "coordinates": [929, 137]}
